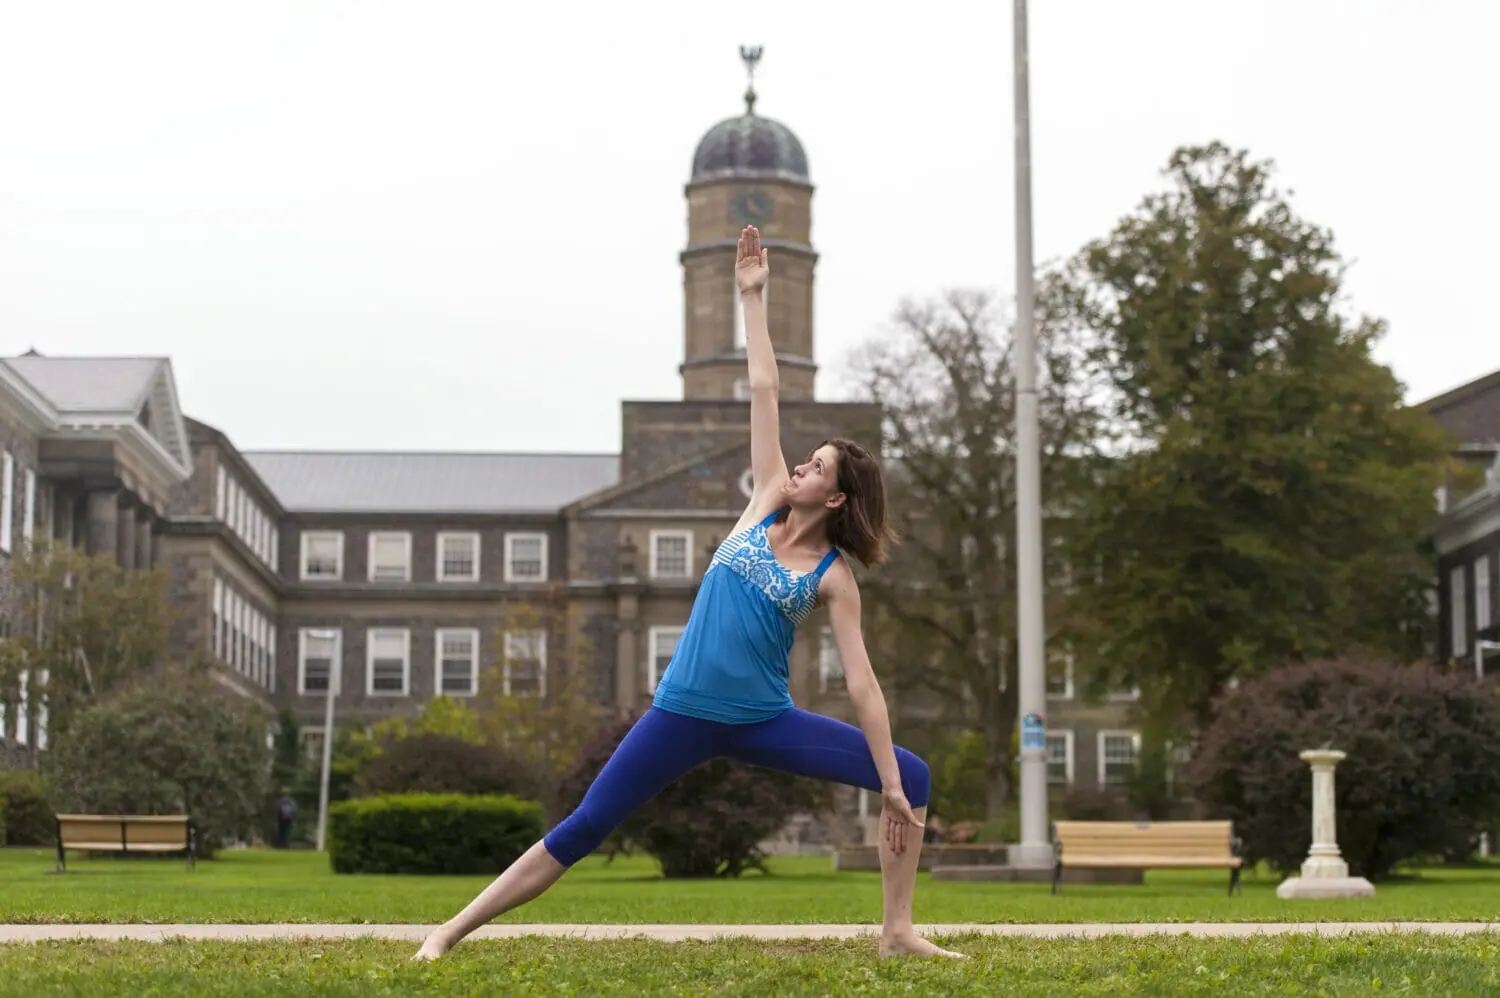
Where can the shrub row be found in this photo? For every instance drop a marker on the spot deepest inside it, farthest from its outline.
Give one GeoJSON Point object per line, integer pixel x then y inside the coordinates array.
{"type": "Point", "coordinates": [431, 833]}
{"type": "Point", "coordinates": [28, 814]}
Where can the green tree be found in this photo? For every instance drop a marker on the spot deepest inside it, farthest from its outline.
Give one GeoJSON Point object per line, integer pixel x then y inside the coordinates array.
{"type": "Point", "coordinates": [943, 613]}
{"type": "Point", "coordinates": [186, 745]}
{"type": "Point", "coordinates": [538, 701]}
{"type": "Point", "coordinates": [86, 627]}
{"type": "Point", "coordinates": [1268, 498]}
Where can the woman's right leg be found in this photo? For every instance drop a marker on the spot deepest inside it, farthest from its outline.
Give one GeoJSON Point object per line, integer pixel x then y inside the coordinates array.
{"type": "Point", "coordinates": [659, 748]}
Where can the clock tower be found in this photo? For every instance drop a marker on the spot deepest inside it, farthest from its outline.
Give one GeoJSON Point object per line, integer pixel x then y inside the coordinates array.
{"type": "Point", "coordinates": [749, 170]}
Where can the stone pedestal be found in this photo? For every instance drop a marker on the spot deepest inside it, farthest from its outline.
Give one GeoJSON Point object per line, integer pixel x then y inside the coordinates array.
{"type": "Point", "coordinates": [1324, 872]}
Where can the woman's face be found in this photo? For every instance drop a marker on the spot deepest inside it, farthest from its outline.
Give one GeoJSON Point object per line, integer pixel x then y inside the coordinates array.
{"type": "Point", "coordinates": [816, 480]}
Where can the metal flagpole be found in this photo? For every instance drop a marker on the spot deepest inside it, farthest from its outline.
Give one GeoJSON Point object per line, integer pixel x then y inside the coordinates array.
{"type": "Point", "coordinates": [1034, 849]}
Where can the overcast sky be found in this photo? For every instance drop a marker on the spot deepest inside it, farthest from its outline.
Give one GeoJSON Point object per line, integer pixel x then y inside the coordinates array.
{"type": "Point", "coordinates": [444, 225]}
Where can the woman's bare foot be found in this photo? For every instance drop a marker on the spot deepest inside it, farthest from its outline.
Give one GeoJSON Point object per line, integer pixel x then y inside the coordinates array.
{"type": "Point", "coordinates": [436, 945]}
{"type": "Point", "coordinates": [911, 944]}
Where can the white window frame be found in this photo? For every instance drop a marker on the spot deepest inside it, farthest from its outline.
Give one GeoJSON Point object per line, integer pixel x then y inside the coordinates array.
{"type": "Point", "coordinates": [221, 495]}
{"type": "Point", "coordinates": [742, 389]}
{"type": "Point", "coordinates": [537, 635]}
{"type": "Point", "coordinates": [370, 638]}
{"type": "Point", "coordinates": [404, 538]}
{"type": "Point", "coordinates": [686, 536]}
{"type": "Point", "coordinates": [830, 664]}
{"type": "Point", "coordinates": [510, 543]}
{"type": "Point", "coordinates": [1482, 596]}
{"type": "Point", "coordinates": [1124, 696]}
{"type": "Point", "coordinates": [442, 540]}
{"type": "Point", "coordinates": [1070, 762]}
{"type": "Point", "coordinates": [472, 633]}
{"type": "Point", "coordinates": [653, 642]}
{"type": "Point", "coordinates": [308, 737]}
{"type": "Point", "coordinates": [1458, 611]}
{"type": "Point", "coordinates": [28, 507]}
{"type": "Point", "coordinates": [216, 621]}
{"type": "Point", "coordinates": [7, 500]}
{"type": "Point", "coordinates": [1102, 738]}
{"type": "Point", "coordinates": [1066, 658]}
{"type": "Point", "coordinates": [275, 549]}
{"type": "Point", "coordinates": [305, 541]}
{"type": "Point", "coordinates": [23, 708]}
{"type": "Point", "coordinates": [336, 667]}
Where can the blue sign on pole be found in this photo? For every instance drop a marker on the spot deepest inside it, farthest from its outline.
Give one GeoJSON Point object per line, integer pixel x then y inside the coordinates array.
{"type": "Point", "coordinates": [1033, 732]}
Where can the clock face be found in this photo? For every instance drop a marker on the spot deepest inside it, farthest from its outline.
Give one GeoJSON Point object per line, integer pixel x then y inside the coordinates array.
{"type": "Point", "coordinates": [751, 206]}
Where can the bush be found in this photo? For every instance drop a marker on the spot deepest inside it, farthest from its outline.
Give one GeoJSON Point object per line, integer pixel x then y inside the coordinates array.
{"type": "Point", "coordinates": [29, 818]}
{"type": "Point", "coordinates": [1423, 766]}
{"type": "Point", "coordinates": [431, 833]}
{"type": "Point", "coordinates": [441, 764]}
{"type": "Point", "coordinates": [182, 743]}
{"type": "Point", "coordinates": [711, 821]}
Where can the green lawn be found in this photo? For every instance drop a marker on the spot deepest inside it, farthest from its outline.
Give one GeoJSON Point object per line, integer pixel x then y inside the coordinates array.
{"type": "Point", "coordinates": [1155, 966]}
{"type": "Point", "coordinates": [265, 886]}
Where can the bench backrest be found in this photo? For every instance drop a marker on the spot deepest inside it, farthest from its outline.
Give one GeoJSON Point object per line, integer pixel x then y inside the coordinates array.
{"type": "Point", "coordinates": [159, 830]}
{"type": "Point", "coordinates": [1167, 839]}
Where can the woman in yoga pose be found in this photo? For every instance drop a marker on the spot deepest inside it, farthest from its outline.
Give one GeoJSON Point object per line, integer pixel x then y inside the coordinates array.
{"type": "Point", "coordinates": [725, 691]}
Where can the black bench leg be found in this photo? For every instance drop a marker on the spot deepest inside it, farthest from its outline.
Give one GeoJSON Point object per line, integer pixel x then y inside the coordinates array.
{"type": "Point", "coordinates": [62, 854]}
{"type": "Point", "coordinates": [1234, 882]}
{"type": "Point", "coordinates": [1057, 877]}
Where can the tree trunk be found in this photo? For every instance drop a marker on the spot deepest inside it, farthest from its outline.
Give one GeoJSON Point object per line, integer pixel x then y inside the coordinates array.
{"type": "Point", "coordinates": [999, 787]}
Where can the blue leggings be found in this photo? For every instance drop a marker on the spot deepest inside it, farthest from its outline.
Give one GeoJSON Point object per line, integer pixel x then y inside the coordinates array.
{"type": "Point", "coordinates": [663, 746]}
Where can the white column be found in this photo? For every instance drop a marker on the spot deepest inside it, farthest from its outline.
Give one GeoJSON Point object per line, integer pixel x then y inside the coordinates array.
{"type": "Point", "coordinates": [1324, 872]}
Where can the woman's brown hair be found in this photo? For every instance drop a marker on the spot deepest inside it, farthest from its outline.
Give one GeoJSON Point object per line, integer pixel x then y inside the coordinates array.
{"type": "Point", "coordinates": [859, 525]}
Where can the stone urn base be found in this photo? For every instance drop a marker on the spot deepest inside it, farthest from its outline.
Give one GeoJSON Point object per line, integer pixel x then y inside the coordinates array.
{"type": "Point", "coordinates": [1322, 888]}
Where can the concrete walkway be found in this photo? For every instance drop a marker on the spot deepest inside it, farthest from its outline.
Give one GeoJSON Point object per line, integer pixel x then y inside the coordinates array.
{"type": "Point", "coordinates": [678, 933]}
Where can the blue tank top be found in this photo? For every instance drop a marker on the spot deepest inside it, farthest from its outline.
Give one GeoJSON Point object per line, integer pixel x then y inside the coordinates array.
{"type": "Point", "coordinates": [731, 661]}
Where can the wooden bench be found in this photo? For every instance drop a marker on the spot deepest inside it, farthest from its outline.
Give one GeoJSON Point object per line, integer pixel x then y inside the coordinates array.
{"type": "Point", "coordinates": [151, 833]}
{"type": "Point", "coordinates": [1162, 845]}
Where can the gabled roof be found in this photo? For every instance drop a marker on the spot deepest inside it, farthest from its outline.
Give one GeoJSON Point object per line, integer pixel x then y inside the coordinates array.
{"type": "Point", "coordinates": [1464, 391]}
{"type": "Point", "coordinates": [133, 394]}
{"type": "Point", "coordinates": [431, 481]}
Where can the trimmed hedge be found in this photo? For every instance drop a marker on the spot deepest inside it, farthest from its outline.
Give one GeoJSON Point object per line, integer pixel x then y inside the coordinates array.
{"type": "Point", "coordinates": [29, 815]}
{"type": "Point", "coordinates": [431, 833]}
{"type": "Point", "coordinates": [2, 819]}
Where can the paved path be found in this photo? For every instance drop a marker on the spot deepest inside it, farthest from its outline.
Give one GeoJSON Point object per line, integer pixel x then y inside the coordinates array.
{"type": "Point", "coordinates": [678, 933]}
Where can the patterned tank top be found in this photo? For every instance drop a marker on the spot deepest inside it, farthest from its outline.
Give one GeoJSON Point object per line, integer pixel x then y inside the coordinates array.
{"type": "Point", "coordinates": [731, 661]}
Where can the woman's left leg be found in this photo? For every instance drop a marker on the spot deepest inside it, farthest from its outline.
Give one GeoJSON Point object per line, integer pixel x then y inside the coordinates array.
{"type": "Point", "coordinates": [825, 748]}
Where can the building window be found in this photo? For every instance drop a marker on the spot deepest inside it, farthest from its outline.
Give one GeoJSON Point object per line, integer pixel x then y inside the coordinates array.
{"type": "Point", "coordinates": [663, 641]}
{"type": "Point", "coordinates": [322, 554]}
{"type": "Point", "coordinates": [458, 558]}
{"type": "Point", "coordinates": [830, 666]}
{"type": "Point", "coordinates": [218, 620]}
{"type": "Point", "coordinates": [525, 557]}
{"type": "Point", "coordinates": [1060, 758]}
{"type": "Point", "coordinates": [221, 494]}
{"type": "Point", "coordinates": [1458, 612]}
{"type": "Point", "coordinates": [1059, 674]}
{"type": "Point", "coordinates": [312, 742]}
{"type": "Point", "coordinates": [671, 554]}
{"type": "Point", "coordinates": [388, 662]}
{"type": "Point", "coordinates": [1117, 755]}
{"type": "Point", "coordinates": [526, 663]}
{"type": "Point", "coordinates": [275, 550]}
{"type": "Point", "coordinates": [390, 556]}
{"type": "Point", "coordinates": [28, 507]}
{"type": "Point", "coordinates": [457, 662]}
{"type": "Point", "coordinates": [271, 657]}
{"type": "Point", "coordinates": [318, 654]}
{"type": "Point", "coordinates": [7, 499]}
{"type": "Point", "coordinates": [1482, 603]}
{"type": "Point", "coordinates": [23, 709]}
{"type": "Point", "coordinates": [1124, 694]}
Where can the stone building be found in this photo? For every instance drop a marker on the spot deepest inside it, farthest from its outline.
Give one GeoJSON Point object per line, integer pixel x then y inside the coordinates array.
{"type": "Point", "coordinates": [398, 572]}
{"type": "Point", "coordinates": [1466, 533]}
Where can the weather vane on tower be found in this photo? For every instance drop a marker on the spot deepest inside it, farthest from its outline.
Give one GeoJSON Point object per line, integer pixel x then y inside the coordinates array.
{"type": "Point", "coordinates": [751, 55]}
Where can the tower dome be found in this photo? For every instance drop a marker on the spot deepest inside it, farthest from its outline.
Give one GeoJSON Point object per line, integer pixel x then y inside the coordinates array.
{"type": "Point", "coordinates": [750, 146]}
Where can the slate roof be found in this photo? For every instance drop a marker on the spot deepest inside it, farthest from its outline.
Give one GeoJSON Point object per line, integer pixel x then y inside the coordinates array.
{"type": "Point", "coordinates": [431, 482]}
{"type": "Point", "coordinates": [118, 385]}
